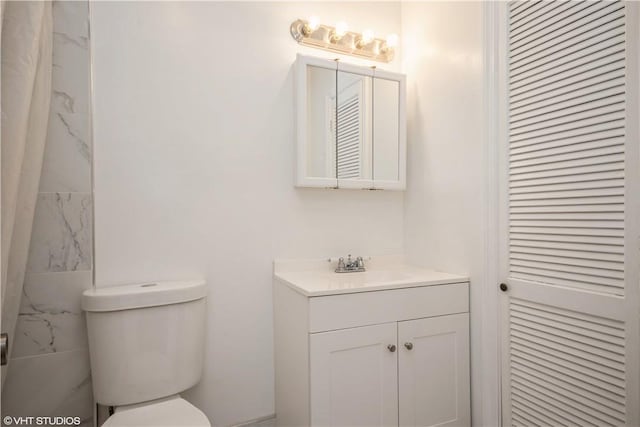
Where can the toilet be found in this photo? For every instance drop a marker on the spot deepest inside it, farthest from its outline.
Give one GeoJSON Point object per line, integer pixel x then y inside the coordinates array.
{"type": "Point", "coordinates": [146, 343]}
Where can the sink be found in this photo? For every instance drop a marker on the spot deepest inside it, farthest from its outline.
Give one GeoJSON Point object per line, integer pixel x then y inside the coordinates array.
{"type": "Point", "coordinates": [371, 277]}
{"type": "Point", "coordinates": [317, 278]}
{"type": "Point", "coordinates": [385, 276]}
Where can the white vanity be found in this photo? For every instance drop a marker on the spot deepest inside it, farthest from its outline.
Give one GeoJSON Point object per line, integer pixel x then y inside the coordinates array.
{"type": "Point", "coordinates": [385, 347]}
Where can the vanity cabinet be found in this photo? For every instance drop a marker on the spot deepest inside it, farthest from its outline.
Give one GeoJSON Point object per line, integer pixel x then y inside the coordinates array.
{"type": "Point", "coordinates": [385, 357]}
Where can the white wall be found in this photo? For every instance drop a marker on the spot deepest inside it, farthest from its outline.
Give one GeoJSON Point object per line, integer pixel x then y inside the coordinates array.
{"type": "Point", "coordinates": [444, 226]}
{"type": "Point", "coordinates": [194, 155]}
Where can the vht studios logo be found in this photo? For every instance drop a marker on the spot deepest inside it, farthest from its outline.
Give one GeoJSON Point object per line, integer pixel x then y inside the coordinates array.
{"type": "Point", "coordinates": [40, 421]}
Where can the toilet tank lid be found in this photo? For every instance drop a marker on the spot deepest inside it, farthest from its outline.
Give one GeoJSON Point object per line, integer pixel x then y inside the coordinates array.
{"type": "Point", "coordinates": [140, 295]}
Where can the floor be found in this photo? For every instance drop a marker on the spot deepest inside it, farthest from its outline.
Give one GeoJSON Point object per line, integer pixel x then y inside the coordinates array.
{"type": "Point", "coordinates": [271, 422]}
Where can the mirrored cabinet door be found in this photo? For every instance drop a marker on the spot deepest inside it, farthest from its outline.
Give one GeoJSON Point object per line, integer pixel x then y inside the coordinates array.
{"type": "Point", "coordinates": [386, 130]}
{"type": "Point", "coordinates": [353, 130]}
{"type": "Point", "coordinates": [321, 122]}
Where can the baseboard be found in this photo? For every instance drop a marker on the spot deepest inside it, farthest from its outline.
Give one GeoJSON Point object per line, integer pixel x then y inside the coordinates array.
{"type": "Point", "coordinates": [256, 421]}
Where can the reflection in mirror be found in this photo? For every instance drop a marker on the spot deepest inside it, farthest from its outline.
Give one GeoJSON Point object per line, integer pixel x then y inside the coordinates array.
{"type": "Point", "coordinates": [353, 126]}
{"type": "Point", "coordinates": [321, 95]}
{"type": "Point", "coordinates": [386, 140]}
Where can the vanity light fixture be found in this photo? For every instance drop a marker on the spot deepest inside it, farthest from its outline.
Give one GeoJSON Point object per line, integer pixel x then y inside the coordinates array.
{"type": "Point", "coordinates": [313, 24]}
{"type": "Point", "coordinates": [340, 30]}
{"type": "Point", "coordinates": [367, 37]}
{"type": "Point", "coordinates": [340, 39]}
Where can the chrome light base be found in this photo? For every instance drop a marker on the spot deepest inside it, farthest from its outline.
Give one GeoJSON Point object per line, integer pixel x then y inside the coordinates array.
{"type": "Point", "coordinates": [350, 43]}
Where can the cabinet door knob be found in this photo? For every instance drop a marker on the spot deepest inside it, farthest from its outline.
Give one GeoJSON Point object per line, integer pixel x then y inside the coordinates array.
{"type": "Point", "coordinates": [408, 345]}
{"type": "Point", "coordinates": [504, 287]}
{"type": "Point", "coordinates": [391, 348]}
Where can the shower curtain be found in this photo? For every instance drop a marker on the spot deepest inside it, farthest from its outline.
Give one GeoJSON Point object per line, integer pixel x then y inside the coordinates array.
{"type": "Point", "coordinates": [27, 33]}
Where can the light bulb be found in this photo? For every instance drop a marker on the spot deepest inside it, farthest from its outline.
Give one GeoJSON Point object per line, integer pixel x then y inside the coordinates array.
{"type": "Point", "coordinates": [367, 36]}
{"type": "Point", "coordinates": [341, 29]}
{"type": "Point", "coordinates": [392, 40]}
{"type": "Point", "coordinates": [314, 23]}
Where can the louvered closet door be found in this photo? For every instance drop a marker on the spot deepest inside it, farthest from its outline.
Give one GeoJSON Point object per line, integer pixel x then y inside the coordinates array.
{"type": "Point", "coordinates": [570, 314]}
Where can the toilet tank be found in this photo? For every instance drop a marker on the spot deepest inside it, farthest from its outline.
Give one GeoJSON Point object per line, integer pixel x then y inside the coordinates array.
{"type": "Point", "coordinates": [146, 341]}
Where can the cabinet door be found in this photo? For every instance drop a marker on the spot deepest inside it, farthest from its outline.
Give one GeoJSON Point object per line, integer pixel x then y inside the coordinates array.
{"type": "Point", "coordinates": [354, 127]}
{"type": "Point", "coordinates": [354, 377]}
{"type": "Point", "coordinates": [389, 140]}
{"type": "Point", "coordinates": [434, 371]}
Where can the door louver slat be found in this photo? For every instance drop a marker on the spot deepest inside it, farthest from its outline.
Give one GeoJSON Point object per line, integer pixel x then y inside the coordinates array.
{"type": "Point", "coordinates": [568, 196]}
{"type": "Point", "coordinates": [519, 23]}
{"type": "Point", "coordinates": [570, 20]}
{"type": "Point", "coordinates": [607, 93]}
{"type": "Point", "coordinates": [589, 384]}
{"type": "Point", "coordinates": [543, 13]}
{"type": "Point", "coordinates": [529, 12]}
{"type": "Point", "coordinates": [596, 275]}
{"type": "Point", "coordinates": [517, 7]}
{"type": "Point", "coordinates": [611, 243]}
{"type": "Point", "coordinates": [549, 48]}
{"type": "Point", "coordinates": [571, 342]}
{"type": "Point", "coordinates": [609, 106]}
{"type": "Point", "coordinates": [558, 113]}
{"type": "Point", "coordinates": [579, 409]}
{"type": "Point", "coordinates": [525, 415]}
{"type": "Point", "coordinates": [577, 151]}
{"type": "Point", "coordinates": [611, 407]}
{"type": "Point", "coordinates": [577, 93]}
{"type": "Point", "coordinates": [546, 356]}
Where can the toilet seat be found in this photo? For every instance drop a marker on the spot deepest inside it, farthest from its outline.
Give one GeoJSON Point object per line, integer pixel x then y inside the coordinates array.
{"type": "Point", "coordinates": [171, 412]}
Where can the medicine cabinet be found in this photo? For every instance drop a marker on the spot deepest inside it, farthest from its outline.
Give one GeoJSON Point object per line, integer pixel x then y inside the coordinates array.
{"type": "Point", "coordinates": [351, 126]}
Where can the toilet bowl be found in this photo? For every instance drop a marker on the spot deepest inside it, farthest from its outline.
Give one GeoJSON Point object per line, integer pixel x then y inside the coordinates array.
{"type": "Point", "coordinates": [169, 412]}
{"type": "Point", "coordinates": [146, 345]}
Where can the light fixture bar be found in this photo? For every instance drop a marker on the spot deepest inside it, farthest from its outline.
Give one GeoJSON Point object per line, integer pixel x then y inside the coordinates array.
{"type": "Point", "coordinates": [339, 40]}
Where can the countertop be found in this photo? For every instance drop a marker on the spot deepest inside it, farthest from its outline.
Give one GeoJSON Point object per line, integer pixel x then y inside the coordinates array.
{"type": "Point", "coordinates": [313, 278]}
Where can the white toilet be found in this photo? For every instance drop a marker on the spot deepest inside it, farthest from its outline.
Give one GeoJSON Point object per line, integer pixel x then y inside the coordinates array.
{"type": "Point", "coordinates": [146, 343]}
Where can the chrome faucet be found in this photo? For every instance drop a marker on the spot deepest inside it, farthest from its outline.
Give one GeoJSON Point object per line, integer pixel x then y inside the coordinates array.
{"type": "Point", "coordinates": [351, 266]}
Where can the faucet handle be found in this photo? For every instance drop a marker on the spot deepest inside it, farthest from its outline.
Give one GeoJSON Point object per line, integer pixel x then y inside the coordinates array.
{"type": "Point", "coordinates": [340, 263]}
{"type": "Point", "coordinates": [359, 262]}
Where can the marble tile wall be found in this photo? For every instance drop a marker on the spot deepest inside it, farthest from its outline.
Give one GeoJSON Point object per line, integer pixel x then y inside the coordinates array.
{"type": "Point", "coordinates": [49, 371]}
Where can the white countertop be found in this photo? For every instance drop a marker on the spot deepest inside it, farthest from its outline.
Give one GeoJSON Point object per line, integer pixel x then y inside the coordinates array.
{"type": "Point", "coordinates": [314, 278]}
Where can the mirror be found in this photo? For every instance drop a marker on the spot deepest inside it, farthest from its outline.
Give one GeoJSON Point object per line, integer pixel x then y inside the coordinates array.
{"type": "Point", "coordinates": [350, 126]}
{"type": "Point", "coordinates": [353, 126]}
{"type": "Point", "coordinates": [386, 130]}
{"type": "Point", "coordinates": [321, 134]}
